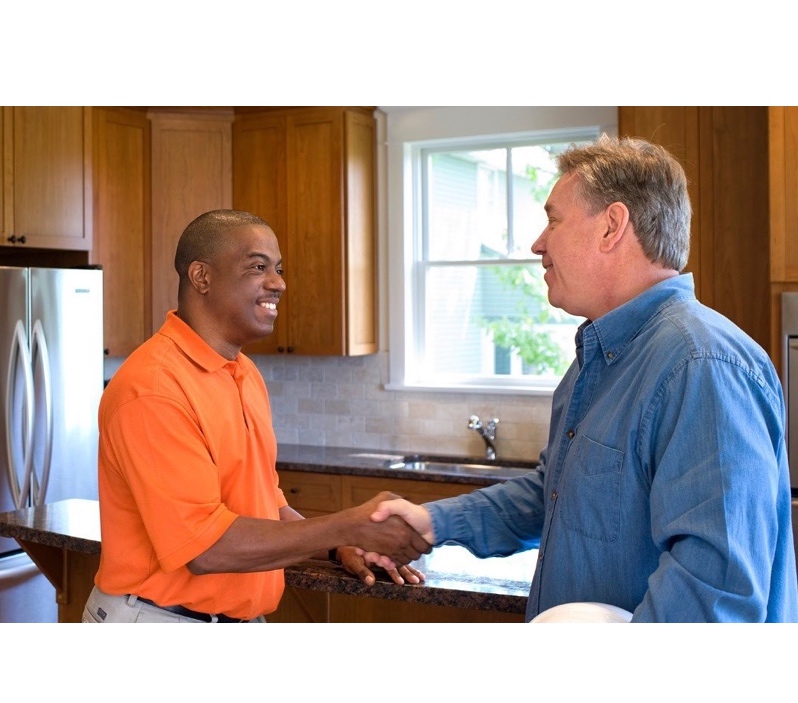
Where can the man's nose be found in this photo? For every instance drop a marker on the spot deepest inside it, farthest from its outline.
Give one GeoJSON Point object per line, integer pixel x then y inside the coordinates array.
{"type": "Point", "coordinates": [275, 282]}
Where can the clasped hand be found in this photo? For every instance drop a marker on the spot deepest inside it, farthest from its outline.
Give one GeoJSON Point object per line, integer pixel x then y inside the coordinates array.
{"type": "Point", "coordinates": [388, 542]}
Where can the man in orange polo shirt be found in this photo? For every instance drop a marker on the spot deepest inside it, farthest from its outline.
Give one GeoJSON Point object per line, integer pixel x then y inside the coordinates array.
{"type": "Point", "coordinates": [194, 525]}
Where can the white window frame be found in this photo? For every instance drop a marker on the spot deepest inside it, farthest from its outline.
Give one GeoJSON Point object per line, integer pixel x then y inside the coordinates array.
{"type": "Point", "coordinates": [406, 333]}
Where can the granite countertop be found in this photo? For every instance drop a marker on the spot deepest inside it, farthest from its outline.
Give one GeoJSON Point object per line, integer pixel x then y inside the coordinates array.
{"type": "Point", "coordinates": [455, 577]}
{"type": "Point", "coordinates": [364, 462]}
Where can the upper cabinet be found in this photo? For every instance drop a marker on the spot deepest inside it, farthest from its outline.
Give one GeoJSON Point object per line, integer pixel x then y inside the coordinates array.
{"type": "Point", "coordinates": [122, 224]}
{"type": "Point", "coordinates": [191, 174]}
{"type": "Point", "coordinates": [724, 151]}
{"type": "Point", "coordinates": [46, 178]}
{"type": "Point", "coordinates": [783, 123]}
{"type": "Point", "coordinates": [310, 173]}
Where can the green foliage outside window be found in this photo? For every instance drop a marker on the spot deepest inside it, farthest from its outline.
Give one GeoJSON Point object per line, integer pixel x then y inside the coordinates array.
{"type": "Point", "coordinates": [527, 330]}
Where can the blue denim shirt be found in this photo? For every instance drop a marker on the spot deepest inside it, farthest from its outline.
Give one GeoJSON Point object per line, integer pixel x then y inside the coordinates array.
{"type": "Point", "coordinates": [664, 487]}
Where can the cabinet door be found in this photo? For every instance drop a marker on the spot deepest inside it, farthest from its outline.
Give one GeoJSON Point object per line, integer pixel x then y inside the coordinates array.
{"type": "Point", "coordinates": [311, 494]}
{"type": "Point", "coordinates": [192, 173]}
{"type": "Point", "coordinates": [677, 129]}
{"type": "Point", "coordinates": [122, 224]}
{"type": "Point", "coordinates": [315, 246]}
{"type": "Point", "coordinates": [6, 164]}
{"type": "Point", "coordinates": [362, 328]}
{"type": "Point", "coordinates": [356, 490]}
{"type": "Point", "coordinates": [259, 187]}
{"type": "Point", "coordinates": [311, 173]}
{"type": "Point", "coordinates": [783, 147]}
{"type": "Point", "coordinates": [47, 177]}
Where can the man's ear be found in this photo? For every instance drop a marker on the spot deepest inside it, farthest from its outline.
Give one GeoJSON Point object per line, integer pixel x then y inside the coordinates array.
{"type": "Point", "coordinates": [617, 220]}
{"type": "Point", "coordinates": [199, 275]}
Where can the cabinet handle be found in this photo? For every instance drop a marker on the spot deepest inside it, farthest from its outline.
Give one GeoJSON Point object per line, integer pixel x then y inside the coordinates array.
{"type": "Point", "coordinates": [14, 239]}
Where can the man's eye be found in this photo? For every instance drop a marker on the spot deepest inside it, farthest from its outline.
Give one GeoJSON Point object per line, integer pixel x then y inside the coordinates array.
{"type": "Point", "coordinates": [279, 271]}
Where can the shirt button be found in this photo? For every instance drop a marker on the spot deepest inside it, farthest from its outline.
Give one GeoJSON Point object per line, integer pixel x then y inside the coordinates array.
{"type": "Point", "coordinates": [554, 495]}
{"type": "Point", "coordinates": [571, 434]}
{"type": "Point", "coordinates": [610, 355]}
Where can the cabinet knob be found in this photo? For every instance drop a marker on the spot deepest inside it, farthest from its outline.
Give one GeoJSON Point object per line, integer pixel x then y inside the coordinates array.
{"type": "Point", "coordinates": [294, 491]}
{"type": "Point", "coordinates": [290, 350]}
{"type": "Point", "coordinates": [14, 239]}
{"type": "Point", "coordinates": [280, 350]}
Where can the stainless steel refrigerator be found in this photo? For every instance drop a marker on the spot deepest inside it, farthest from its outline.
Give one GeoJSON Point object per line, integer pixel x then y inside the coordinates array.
{"type": "Point", "coordinates": [789, 379]}
{"type": "Point", "coordinates": [51, 380]}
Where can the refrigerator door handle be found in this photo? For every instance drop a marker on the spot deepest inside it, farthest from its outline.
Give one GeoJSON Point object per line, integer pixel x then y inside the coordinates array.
{"type": "Point", "coordinates": [40, 356]}
{"type": "Point", "coordinates": [19, 358]}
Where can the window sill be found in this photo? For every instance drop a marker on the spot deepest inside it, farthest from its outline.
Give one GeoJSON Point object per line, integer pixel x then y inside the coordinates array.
{"type": "Point", "coordinates": [493, 389]}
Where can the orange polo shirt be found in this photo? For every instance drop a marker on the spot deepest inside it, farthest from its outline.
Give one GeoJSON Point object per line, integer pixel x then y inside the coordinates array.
{"type": "Point", "coordinates": [186, 446]}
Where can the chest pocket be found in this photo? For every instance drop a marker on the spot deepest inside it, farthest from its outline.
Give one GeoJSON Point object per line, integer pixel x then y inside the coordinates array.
{"type": "Point", "coordinates": [590, 490]}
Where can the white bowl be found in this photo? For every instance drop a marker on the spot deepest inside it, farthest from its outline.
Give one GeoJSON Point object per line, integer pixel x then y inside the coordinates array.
{"type": "Point", "coordinates": [583, 612]}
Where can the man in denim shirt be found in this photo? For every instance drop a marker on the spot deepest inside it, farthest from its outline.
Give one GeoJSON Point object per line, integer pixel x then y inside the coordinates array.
{"type": "Point", "coordinates": [664, 487]}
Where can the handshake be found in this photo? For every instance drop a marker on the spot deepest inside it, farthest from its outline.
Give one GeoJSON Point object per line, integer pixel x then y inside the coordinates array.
{"type": "Point", "coordinates": [389, 532]}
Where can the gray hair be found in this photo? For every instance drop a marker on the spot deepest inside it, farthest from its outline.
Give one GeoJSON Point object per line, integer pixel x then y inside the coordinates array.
{"type": "Point", "coordinates": [648, 180]}
{"type": "Point", "coordinates": [203, 238]}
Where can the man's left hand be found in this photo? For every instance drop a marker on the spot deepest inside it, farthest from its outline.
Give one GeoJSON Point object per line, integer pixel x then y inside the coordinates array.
{"type": "Point", "coordinates": [356, 564]}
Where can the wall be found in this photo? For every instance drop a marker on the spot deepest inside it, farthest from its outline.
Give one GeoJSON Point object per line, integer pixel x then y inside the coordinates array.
{"type": "Point", "coordinates": [343, 401]}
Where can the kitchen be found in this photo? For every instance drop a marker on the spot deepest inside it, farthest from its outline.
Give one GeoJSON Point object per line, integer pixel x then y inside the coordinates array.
{"type": "Point", "coordinates": [147, 156]}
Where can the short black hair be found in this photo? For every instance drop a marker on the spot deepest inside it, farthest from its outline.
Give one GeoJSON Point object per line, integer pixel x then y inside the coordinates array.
{"type": "Point", "coordinates": [202, 238]}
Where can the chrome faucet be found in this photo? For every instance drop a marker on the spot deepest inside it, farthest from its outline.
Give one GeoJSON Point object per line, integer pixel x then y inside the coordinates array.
{"type": "Point", "coordinates": [487, 432]}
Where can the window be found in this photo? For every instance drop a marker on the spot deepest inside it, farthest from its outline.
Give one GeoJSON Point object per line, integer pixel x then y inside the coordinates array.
{"type": "Point", "coordinates": [479, 315]}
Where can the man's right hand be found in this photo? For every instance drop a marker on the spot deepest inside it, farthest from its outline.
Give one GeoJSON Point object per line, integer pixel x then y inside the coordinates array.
{"type": "Point", "coordinates": [391, 536]}
{"type": "Point", "coordinates": [417, 516]}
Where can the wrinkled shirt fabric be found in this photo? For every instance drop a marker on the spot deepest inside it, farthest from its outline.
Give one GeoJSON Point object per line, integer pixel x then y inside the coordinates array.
{"type": "Point", "coordinates": [664, 486]}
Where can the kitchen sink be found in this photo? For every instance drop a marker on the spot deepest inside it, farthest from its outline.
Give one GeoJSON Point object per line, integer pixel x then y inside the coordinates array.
{"type": "Point", "coordinates": [461, 466]}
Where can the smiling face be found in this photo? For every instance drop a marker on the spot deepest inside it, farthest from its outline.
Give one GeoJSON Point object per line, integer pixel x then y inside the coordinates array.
{"type": "Point", "coordinates": [244, 285]}
{"type": "Point", "coordinates": [570, 250]}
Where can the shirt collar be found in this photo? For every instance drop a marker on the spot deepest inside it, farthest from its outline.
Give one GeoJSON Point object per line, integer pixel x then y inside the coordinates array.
{"type": "Point", "coordinates": [617, 328]}
{"type": "Point", "coordinates": [192, 345]}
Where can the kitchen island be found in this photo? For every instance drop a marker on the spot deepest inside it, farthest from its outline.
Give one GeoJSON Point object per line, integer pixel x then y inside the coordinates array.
{"type": "Point", "coordinates": [63, 539]}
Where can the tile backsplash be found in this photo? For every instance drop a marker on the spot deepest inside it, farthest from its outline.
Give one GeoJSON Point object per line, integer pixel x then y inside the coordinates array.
{"type": "Point", "coordinates": [341, 401]}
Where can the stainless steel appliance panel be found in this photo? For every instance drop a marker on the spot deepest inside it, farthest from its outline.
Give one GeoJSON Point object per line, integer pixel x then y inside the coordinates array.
{"type": "Point", "coordinates": [13, 316]}
{"type": "Point", "coordinates": [67, 357]}
{"type": "Point", "coordinates": [791, 361]}
{"type": "Point", "coordinates": [789, 378]}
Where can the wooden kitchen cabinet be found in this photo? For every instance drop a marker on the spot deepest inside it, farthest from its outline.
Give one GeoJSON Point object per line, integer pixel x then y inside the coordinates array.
{"type": "Point", "coordinates": [311, 174]}
{"type": "Point", "coordinates": [724, 151]}
{"type": "Point", "coordinates": [783, 151]}
{"type": "Point", "coordinates": [191, 174]}
{"type": "Point", "coordinates": [783, 177]}
{"type": "Point", "coordinates": [315, 493]}
{"type": "Point", "coordinates": [311, 494]}
{"type": "Point", "coordinates": [122, 224]}
{"type": "Point", "coordinates": [46, 178]}
{"type": "Point", "coordinates": [358, 489]}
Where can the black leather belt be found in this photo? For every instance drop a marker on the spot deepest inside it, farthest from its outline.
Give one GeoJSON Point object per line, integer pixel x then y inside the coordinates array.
{"type": "Point", "coordinates": [181, 610]}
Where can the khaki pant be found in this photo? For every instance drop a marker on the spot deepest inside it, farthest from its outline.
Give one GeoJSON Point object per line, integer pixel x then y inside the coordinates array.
{"type": "Point", "coordinates": [102, 608]}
